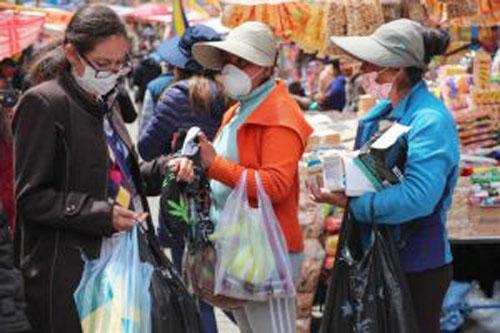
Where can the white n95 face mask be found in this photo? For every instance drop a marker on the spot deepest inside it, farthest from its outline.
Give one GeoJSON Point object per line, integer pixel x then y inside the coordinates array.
{"type": "Point", "coordinates": [237, 83]}
{"type": "Point", "coordinates": [94, 85]}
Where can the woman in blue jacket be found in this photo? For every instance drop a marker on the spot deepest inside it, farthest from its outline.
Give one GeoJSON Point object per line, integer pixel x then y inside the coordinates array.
{"type": "Point", "coordinates": [195, 99]}
{"type": "Point", "coordinates": [394, 59]}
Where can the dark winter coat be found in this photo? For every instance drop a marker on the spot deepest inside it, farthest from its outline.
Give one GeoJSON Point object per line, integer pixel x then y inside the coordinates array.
{"type": "Point", "coordinates": [12, 317]}
{"type": "Point", "coordinates": [61, 176]}
{"type": "Point", "coordinates": [173, 112]}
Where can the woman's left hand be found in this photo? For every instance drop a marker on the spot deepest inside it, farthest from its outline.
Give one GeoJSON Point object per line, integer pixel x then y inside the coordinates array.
{"type": "Point", "coordinates": [322, 195]}
{"type": "Point", "coordinates": [207, 152]}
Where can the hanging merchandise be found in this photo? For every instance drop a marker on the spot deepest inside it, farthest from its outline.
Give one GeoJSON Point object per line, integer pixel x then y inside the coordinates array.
{"type": "Point", "coordinates": [252, 261]}
{"type": "Point", "coordinates": [309, 24]}
{"type": "Point", "coordinates": [368, 290]}
{"type": "Point", "coordinates": [311, 37]}
{"type": "Point", "coordinates": [364, 16]}
{"type": "Point", "coordinates": [482, 65]}
{"type": "Point", "coordinates": [460, 8]}
{"type": "Point", "coordinates": [284, 18]}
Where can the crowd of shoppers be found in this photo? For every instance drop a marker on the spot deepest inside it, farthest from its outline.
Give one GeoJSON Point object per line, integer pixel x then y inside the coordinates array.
{"type": "Point", "coordinates": [78, 178]}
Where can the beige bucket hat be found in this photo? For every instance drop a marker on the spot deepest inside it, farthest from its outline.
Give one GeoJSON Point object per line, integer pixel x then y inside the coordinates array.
{"type": "Point", "coordinates": [252, 41]}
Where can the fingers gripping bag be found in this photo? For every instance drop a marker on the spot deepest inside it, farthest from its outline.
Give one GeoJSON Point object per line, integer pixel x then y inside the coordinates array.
{"type": "Point", "coordinates": [252, 258]}
{"type": "Point", "coordinates": [113, 294]}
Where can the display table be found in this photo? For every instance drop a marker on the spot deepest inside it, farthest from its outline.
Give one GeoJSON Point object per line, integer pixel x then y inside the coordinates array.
{"type": "Point", "coordinates": [468, 224]}
{"type": "Point", "coordinates": [474, 234]}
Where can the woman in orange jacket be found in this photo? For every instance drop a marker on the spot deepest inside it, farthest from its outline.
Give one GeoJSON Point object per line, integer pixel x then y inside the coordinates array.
{"type": "Point", "coordinates": [266, 133]}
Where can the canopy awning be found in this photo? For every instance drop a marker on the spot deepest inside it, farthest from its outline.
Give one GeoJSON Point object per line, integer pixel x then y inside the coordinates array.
{"type": "Point", "coordinates": [18, 31]}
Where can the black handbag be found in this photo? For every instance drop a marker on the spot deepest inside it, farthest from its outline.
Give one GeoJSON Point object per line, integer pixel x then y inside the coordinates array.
{"type": "Point", "coordinates": [174, 310]}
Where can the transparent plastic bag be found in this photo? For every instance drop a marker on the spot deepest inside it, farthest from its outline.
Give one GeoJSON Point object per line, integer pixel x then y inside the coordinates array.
{"type": "Point", "coordinates": [113, 294]}
{"type": "Point", "coordinates": [252, 260]}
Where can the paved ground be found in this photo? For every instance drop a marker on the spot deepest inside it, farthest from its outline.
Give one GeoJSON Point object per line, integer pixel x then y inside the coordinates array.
{"type": "Point", "coordinates": [224, 324]}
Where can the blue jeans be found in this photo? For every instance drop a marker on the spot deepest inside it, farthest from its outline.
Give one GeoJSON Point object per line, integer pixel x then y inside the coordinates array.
{"type": "Point", "coordinates": [207, 311]}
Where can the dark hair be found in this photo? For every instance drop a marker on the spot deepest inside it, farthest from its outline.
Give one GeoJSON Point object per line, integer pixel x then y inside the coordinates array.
{"type": "Point", "coordinates": [8, 62]}
{"type": "Point", "coordinates": [47, 63]}
{"type": "Point", "coordinates": [336, 64]}
{"type": "Point", "coordinates": [92, 24]}
{"type": "Point", "coordinates": [436, 42]}
{"type": "Point", "coordinates": [89, 26]}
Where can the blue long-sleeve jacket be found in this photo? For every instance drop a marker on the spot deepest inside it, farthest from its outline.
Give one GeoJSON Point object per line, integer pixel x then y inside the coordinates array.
{"type": "Point", "coordinates": [151, 97]}
{"type": "Point", "coordinates": [173, 112]}
{"type": "Point", "coordinates": [430, 175]}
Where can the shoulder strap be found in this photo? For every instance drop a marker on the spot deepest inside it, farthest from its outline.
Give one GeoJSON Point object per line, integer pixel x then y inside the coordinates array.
{"type": "Point", "coordinates": [61, 110]}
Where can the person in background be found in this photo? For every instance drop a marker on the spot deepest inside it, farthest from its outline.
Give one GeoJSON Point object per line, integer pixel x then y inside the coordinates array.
{"type": "Point", "coordinates": [147, 70]}
{"type": "Point", "coordinates": [331, 95]}
{"type": "Point", "coordinates": [12, 299]}
{"type": "Point", "coordinates": [264, 132]}
{"type": "Point", "coordinates": [77, 176]}
{"type": "Point", "coordinates": [195, 99]}
{"type": "Point", "coordinates": [155, 88]}
{"type": "Point", "coordinates": [14, 74]}
{"type": "Point", "coordinates": [326, 76]}
{"type": "Point", "coordinates": [394, 59]}
{"type": "Point", "coordinates": [334, 98]}
{"type": "Point", "coordinates": [12, 317]}
{"type": "Point", "coordinates": [8, 99]}
{"type": "Point", "coordinates": [295, 88]}
{"type": "Point", "coordinates": [354, 90]}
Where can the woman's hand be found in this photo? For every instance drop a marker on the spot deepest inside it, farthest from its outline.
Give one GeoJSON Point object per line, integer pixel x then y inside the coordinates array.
{"type": "Point", "coordinates": [124, 219]}
{"type": "Point", "coordinates": [183, 168]}
{"type": "Point", "coordinates": [323, 195]}
{"type": "Point", "coordinates": [207, 152]}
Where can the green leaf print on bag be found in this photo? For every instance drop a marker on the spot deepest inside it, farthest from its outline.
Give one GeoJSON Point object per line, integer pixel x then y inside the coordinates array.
{"type": "Point", "coordinates": [179, 209]}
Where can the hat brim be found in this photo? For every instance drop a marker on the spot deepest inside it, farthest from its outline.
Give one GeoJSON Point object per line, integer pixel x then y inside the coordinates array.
{"type": "Point", "coordinates": [169, 52]}
{"type": "Point", "coordinates": [367, 49]}
{"type": "Point", "coordinates": [210, 54]}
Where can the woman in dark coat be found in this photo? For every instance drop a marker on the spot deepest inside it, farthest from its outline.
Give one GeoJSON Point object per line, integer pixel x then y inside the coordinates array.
{"type": "Point", "coordinates": [76, 172]}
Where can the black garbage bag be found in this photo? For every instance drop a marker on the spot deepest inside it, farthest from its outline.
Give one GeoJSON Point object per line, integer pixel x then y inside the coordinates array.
{"type": "Point", "coordinates": [368, 292]}
{"type": "Point", "coordinates": [174, 310]}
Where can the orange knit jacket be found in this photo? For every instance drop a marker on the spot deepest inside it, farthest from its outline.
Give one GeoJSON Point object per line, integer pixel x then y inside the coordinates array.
{"type": "Point", "coordinates": [270, 141]}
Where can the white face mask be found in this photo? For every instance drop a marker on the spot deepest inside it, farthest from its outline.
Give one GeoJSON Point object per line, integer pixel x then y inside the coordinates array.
{"type": "Point", "coordinates": [97, 86]}
{"type": "Point", "coordinates": [377, 90]}
{"type": "Point", "coordinates": [237, 83]}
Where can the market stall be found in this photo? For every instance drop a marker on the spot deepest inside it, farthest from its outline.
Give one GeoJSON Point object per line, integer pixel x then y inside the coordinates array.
{"type": "Point", "coordinates": [18, 31]}
{"type": "Point", "coordinates": [467, 86]}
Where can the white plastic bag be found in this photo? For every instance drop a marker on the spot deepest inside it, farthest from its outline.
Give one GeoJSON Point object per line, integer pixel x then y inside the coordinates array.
{"type": "Point", "coordinates": [113, 295]}
{"type": "Point", "coordinates": [252, 260]}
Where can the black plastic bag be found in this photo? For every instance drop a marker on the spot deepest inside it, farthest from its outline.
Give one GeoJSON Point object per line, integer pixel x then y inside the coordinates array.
{"type": "Point", "coordinates": [174, 310]}
{"type": "Point", "coordinates": [368, 290]}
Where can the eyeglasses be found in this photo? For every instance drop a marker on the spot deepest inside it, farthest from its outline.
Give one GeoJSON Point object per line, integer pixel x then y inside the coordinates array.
{"type": "Point", "coordinates": [103, 72]}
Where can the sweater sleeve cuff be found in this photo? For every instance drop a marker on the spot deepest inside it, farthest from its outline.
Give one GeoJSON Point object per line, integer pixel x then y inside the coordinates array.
{"type": "Point", "coordinates": [216, 168]}
{"type": "Point", "coordinates": [104, 216]}
{"type": "Point", "coordinates": [362, 207]}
